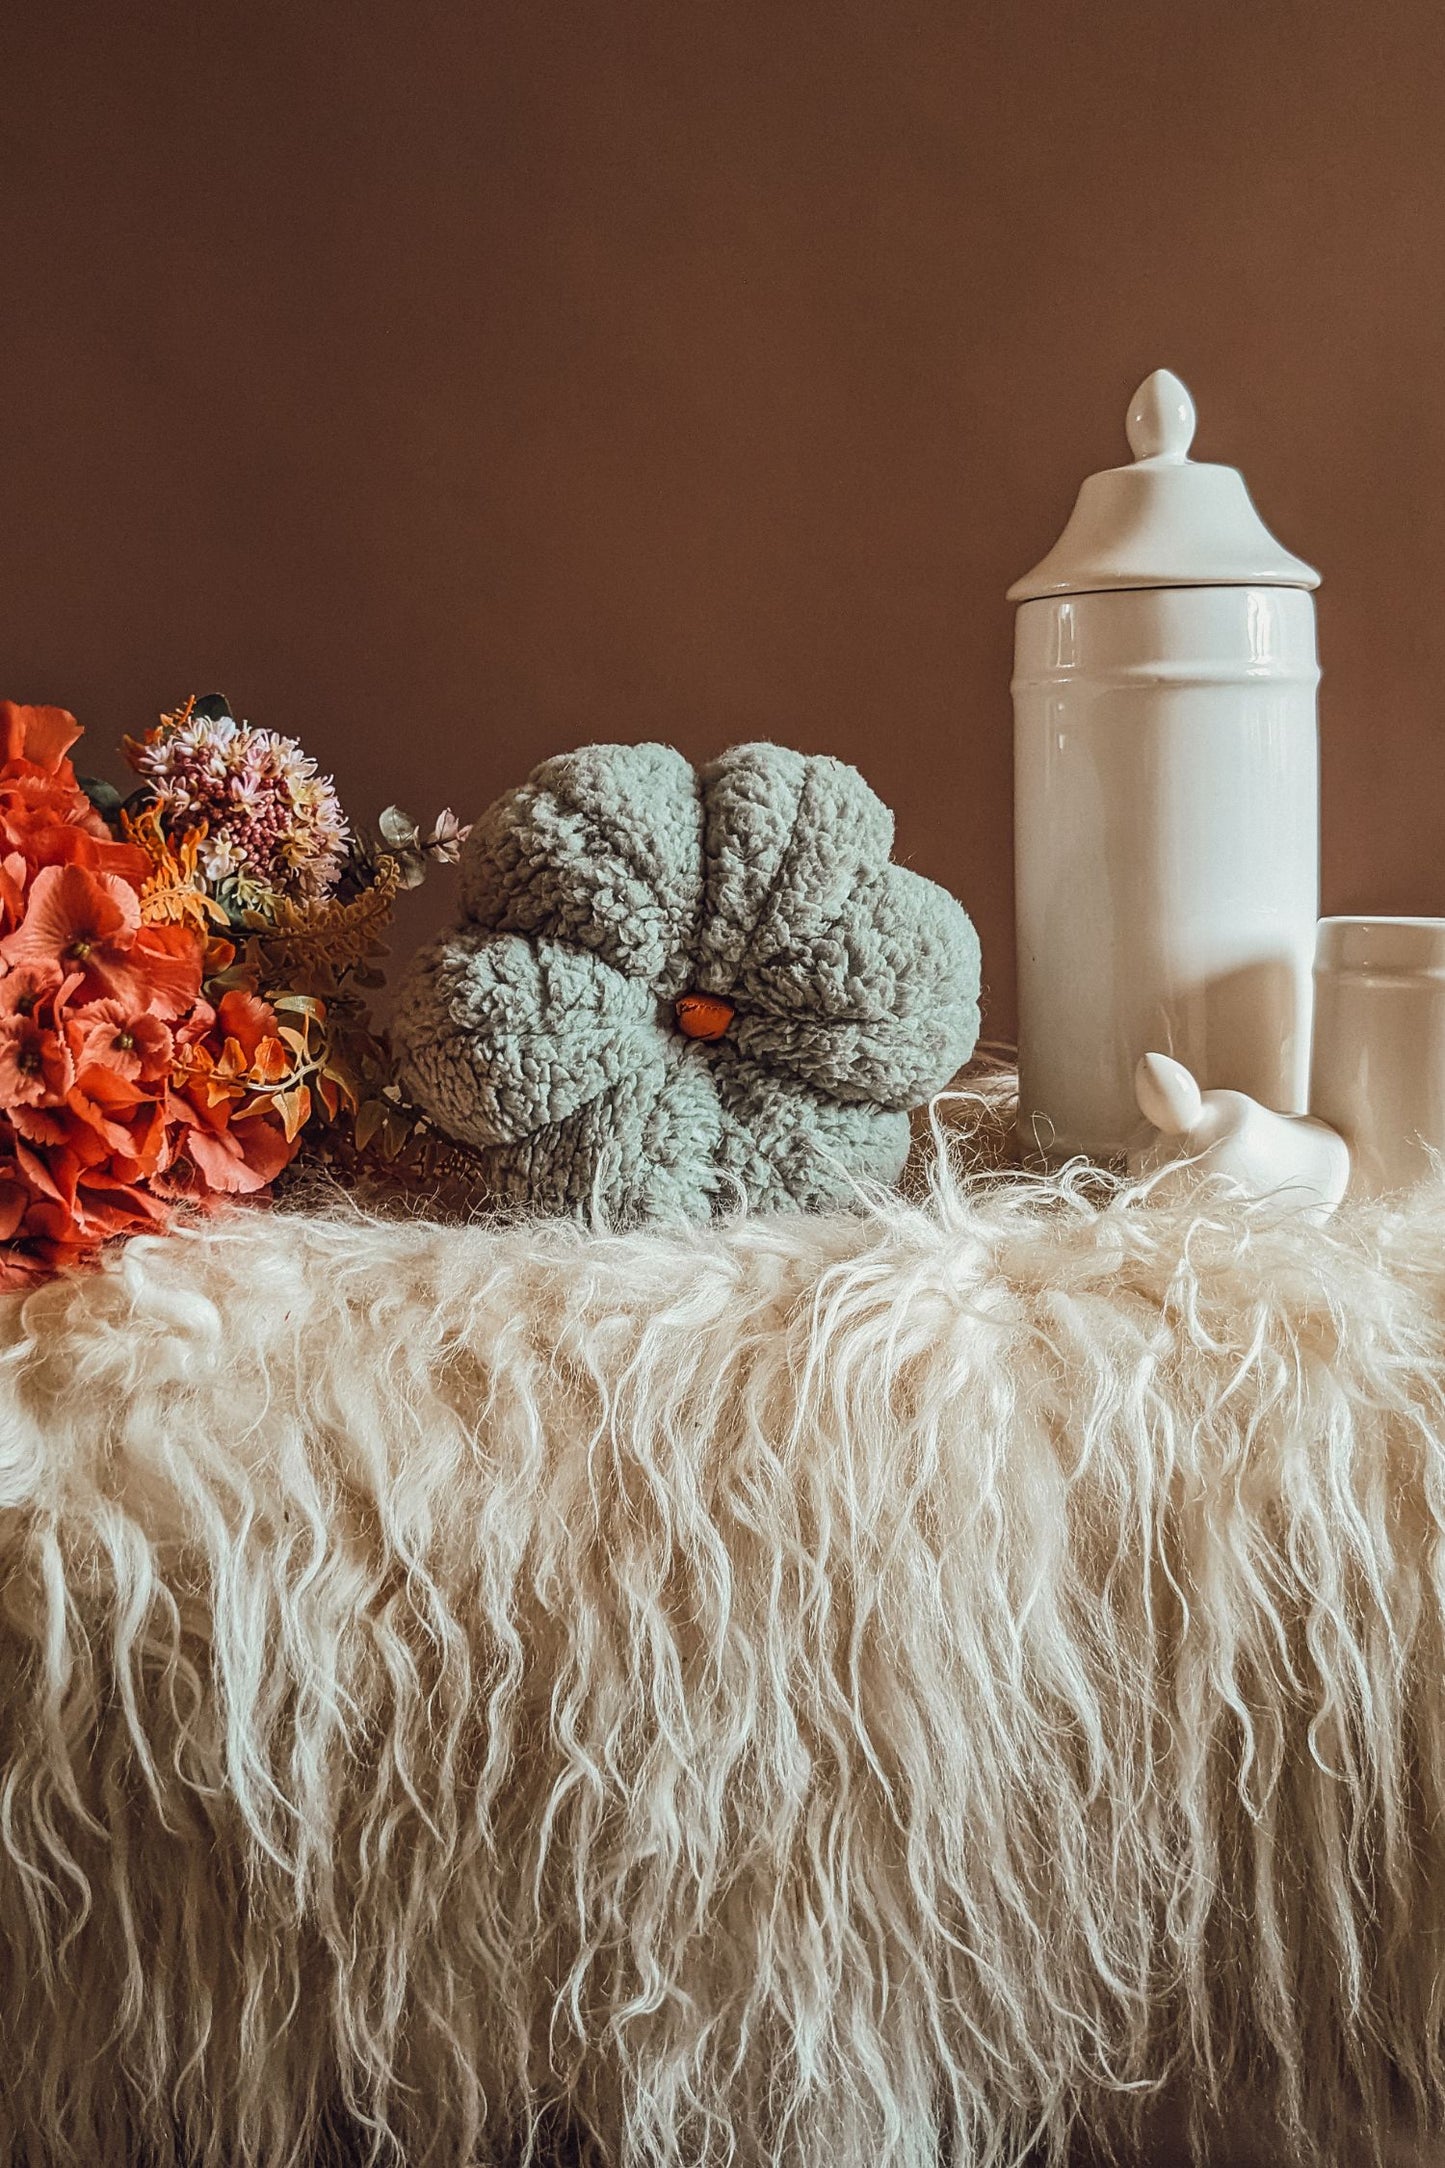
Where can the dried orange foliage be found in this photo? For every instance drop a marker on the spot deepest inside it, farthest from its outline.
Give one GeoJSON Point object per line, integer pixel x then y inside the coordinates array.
{"type": "Point", "coordinates": [332, 935]}
{"type": "Point", "coordinates": [175, 892]}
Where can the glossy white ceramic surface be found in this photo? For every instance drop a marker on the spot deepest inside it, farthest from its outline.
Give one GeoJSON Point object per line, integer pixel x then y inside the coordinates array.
{"type": "Point", "coordinates": [1166, 799]}
{"type": "Point", "coordinates": [1165, 520]}
{"type": "Point", "coordinates": [1293, 1161]}
{"type": "Point", "coordinates": [1378, 1072]}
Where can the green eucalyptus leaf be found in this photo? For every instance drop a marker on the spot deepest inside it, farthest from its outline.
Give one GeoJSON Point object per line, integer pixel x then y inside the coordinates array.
{"type": "Point", "coordinates": [103, 796]}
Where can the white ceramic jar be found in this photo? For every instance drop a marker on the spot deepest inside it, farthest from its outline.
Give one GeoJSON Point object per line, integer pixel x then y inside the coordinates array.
{"type": "Point", "coordinates": [1166, 795]}
{"type": "Point", "coordinates": [1378, 1073]}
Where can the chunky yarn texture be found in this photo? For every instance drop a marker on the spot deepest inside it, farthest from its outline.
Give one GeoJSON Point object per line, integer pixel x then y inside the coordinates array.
{"type": "Point", "coordinates": [547, 1029]}
{"type": "Point", "coordinates": [864, 1689]}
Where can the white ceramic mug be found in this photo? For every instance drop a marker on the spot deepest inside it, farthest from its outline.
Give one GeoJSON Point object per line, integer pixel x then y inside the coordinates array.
{"type": "Point", "coordinates": [1378, 1068]}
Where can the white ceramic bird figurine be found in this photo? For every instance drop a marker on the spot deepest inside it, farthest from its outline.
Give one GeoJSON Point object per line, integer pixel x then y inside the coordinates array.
{"type": "Point", "coordinates": [1302, 1162]}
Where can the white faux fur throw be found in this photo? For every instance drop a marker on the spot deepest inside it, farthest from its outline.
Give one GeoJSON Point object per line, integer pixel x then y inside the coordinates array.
{"type": "Point", "coordinates": [846, 1691]}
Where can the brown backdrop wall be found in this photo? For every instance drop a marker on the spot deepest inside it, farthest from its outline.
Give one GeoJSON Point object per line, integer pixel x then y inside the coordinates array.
{"type": "Point", "coordinates": [451, 385]}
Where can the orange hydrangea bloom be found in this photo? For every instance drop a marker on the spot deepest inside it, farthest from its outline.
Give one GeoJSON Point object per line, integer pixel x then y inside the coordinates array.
{"type": "Point", "coordinates": [122, 1090]}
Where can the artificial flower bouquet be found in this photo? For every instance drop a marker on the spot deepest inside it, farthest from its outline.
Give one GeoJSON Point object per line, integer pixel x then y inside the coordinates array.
{"type": "Point", "coordinates": [183, 977]}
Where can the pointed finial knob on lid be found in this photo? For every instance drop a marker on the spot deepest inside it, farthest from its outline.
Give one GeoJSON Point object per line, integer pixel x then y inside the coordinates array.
{"type": "Point", "coordinates": [1161, 419]}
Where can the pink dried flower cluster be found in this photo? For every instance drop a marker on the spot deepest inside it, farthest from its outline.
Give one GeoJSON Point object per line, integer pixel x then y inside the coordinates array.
{"type": "Point", "coordinates": [273, 824]}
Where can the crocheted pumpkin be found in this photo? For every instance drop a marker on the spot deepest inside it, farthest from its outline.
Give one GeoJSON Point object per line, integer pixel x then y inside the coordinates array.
{"type": "Point", "coordinates": [677, 989]}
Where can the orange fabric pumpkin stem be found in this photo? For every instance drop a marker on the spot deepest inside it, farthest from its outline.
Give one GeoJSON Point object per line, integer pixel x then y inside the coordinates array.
{"type": "Point", "coordinates": [703, 1016]}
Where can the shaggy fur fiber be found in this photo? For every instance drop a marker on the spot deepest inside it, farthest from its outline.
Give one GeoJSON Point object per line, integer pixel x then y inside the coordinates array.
{"type": "Point", "coordinates": [543, 1030]}
{"type": "Point", "coordinates": [862, 1690]}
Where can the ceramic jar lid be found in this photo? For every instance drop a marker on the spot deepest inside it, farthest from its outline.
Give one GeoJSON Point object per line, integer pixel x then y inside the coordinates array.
{"type": "Point", "coordinates": [1164, 521]}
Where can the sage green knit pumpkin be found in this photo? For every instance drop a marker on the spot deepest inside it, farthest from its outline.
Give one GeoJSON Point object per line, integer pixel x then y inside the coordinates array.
{"type": "Point", "coordinates": [619, 882]}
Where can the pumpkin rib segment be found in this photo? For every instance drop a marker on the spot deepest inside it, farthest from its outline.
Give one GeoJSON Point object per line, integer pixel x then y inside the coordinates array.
{"type": "Point", "coordinates": [529, 896]}
{"type": "Point", "coordinates": [500, 1037]}
{"type": "Point", "coordinates": [855, 814]}
{"type": "Point", "coordinates": [717, 778]}
{"type": "Point", "coordinates": [775, 886]}
{"type": "Point", "coordinates": [913, 949]}
{"type": "Point", "coordinates": [804, 1148]}
{"type": "Point", "coordinates": [630, 1155]}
